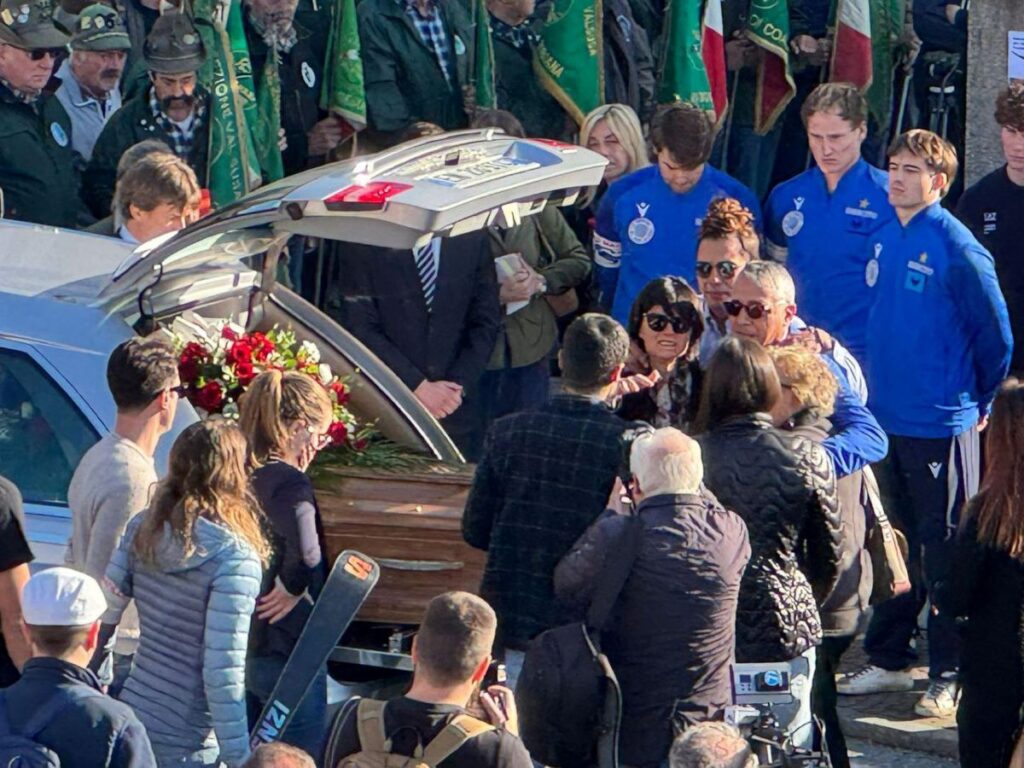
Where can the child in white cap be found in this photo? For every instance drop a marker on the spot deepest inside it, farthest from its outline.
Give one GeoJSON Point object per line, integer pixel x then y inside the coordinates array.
{"type": "Point", "coordinates": [58, 704]}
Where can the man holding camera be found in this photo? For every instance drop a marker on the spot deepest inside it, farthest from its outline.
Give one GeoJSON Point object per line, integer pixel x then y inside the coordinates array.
{"type": "Point", "coordinates": [451, 655]}
{"type": "Point", "coordinates": [673, 629]}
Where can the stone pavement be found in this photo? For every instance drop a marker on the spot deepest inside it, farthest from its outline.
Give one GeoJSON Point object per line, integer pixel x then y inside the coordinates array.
{"type": "Point", "coordinates": [889, 719]}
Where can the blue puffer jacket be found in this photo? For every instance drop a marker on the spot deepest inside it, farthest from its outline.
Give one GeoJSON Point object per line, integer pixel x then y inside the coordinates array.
{"type": "Point", "coordinates": [187, 683]}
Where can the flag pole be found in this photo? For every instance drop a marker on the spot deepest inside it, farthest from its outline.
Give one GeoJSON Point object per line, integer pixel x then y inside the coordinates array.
{"type": "Point", "coordinates": [728, 121]}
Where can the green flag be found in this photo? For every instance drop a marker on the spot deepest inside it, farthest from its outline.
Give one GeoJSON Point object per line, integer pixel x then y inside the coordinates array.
{"type": "Point", "coordinates": [569, 59]}
{"type": "Point", "coordinates": [683, 76]}
{"type": "Point", "coordinates": [886, 26]}
{"type": "Point", "coordinates": [343, 92]}
{"type": "Point", "coordinates": [232, 169]}
{"type": "Point", "coordinates": [768, 28]}
{"type": "Point", "coordinates": [483, 61]}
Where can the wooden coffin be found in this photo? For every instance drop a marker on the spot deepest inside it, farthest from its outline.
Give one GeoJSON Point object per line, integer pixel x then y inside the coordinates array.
{"type": "Point", "coordinates": [410, 523]}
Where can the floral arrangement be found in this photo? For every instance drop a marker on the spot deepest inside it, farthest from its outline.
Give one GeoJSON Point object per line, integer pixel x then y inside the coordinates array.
{"type": "Point", "coordinates": [218, 359]}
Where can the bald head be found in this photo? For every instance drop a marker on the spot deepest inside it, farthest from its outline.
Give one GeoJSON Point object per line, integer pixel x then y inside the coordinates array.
{"type": "Point", "coordinates": [666, 462]}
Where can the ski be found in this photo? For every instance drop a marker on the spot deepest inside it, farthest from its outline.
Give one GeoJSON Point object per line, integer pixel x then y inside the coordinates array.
{"type": "Point", "coordinates": [352, 578]}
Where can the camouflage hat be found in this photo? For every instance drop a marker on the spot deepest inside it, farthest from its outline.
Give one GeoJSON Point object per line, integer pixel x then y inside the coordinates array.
{"type": "Point", "coordinates": [100, 28]}
{"type": "Point", "coordinates": [174, 46]}
{"type": "Point", "coordinates": [29, 25]}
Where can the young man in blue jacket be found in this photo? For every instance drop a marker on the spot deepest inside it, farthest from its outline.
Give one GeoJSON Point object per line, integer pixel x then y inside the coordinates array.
{"type": "Point", "coordinates": [818, 223]}
{"type": "Point", "coordinates": [648, 222]}
{"type": "Point", "coordinates": [938, 346]}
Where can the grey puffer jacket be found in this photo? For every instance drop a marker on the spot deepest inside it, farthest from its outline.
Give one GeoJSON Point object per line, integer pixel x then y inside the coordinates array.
{"type": "Point", "coordinates": [784, 488]}
{"type": "Point", "coordinates": [187, 683]}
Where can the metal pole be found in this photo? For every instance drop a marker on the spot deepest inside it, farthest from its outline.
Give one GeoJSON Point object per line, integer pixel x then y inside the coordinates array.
{"type": "Point", "coordinates": [728, 121]}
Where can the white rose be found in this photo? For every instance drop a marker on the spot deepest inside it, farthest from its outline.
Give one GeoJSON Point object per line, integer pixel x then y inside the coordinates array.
{"type": "Point", "coordinates": [309, 352]}
{"type": "Point", "coordinates": [324, 371]}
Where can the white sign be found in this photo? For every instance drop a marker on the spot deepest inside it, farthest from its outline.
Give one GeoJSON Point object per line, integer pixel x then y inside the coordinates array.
{"type": "Point", "coordinates": [1016, 56]}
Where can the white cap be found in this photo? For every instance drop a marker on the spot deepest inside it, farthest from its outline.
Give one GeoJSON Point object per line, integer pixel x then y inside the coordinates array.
{"type": "Point", "coordinates": [62, 597]}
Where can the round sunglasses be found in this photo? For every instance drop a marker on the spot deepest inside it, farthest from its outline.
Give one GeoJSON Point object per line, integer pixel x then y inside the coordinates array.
{"type": "Point", "coordinates": [754, 310]}
{"type": "Point", "coordinates": [726, 269]}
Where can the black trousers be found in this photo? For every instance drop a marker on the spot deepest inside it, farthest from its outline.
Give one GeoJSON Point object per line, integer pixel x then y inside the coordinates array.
{"type": "Point", "coordinates": [824, 696]}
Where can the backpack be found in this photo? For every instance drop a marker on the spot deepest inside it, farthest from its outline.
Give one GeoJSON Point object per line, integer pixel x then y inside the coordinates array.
{"type": "Point", "coordinates": [18, 749]}
{"type": "Point", "coordinates": [375, 746]}
{"type": "Point", "coordinates": [569, 700]}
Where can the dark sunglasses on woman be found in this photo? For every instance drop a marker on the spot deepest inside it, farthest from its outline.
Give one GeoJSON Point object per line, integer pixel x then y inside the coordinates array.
{"type": "Point", "coordinates": [754, 310]}
{"type": "Point", "coordinates": [726, 269]}
{"type": "Point", "coordinates": [658, 322]}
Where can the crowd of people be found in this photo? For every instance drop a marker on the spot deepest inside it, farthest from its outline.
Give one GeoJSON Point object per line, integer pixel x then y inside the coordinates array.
{"type": "Point", "coordinates": [752, 361]}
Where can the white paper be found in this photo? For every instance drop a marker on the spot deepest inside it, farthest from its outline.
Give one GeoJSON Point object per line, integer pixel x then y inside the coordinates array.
{"type": "Point", "coordinates": [1016, 56]}
{"type": "Point", "coordinates": [506, 266]}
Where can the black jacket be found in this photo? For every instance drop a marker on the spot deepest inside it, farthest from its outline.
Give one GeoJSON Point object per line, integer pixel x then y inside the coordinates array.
{"type": "Point", "coordinates": [672, 632]}
{"type": "Point", "coordinates": [684, 383]}
{"type": "Point", "coordinates": [95, 732]}
{"type": "Point", "coordinates": [849, 599]}
{"type": "Point", "coordinates": [784, 488]}
{"type": "Point", "coordinates": [628, 63]}
{"type": "Point", "coordinates": [544, 476]}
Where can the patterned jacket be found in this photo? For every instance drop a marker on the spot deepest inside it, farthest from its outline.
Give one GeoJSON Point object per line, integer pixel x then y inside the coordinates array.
{"type": "Point", "coordinates": [187, 683]}
{"type": "Point", "coordinates": [784, 488]}
{"type": "Point", "coordinates": [544, 477]}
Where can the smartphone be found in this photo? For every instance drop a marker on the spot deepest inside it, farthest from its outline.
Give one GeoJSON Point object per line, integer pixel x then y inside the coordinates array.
{"type": "Point", "coordinates": [496, 675]}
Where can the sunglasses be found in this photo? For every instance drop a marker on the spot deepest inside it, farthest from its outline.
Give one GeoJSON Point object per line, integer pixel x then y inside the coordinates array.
{"type": "Point", "coordinates": [320, 440]}
{"type": "Point", "coordinates": [726, 269]}
{"type": "Point", "coordinates": [658, 322]}
{"type": "Point", "coordinates": [754, 311]}
{"type": "Point", "coordinates": [38, 54]}
{"type": "Point", "coordinates": [181, 390]}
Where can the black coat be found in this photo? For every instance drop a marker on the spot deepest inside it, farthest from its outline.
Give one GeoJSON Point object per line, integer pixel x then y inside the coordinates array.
{"type": "Point", "coordinates": [383, 305]}
{"type": "Point", "coordinates": [986, 587]}
{"type": "Point", "coordinates": [784, 488]}
{"type": "Point", "coordinates": [672, 632]}
{"type": "Point", "coordinates": [544, 476]}
{"type": "Point", "coordinates": [628, 63]}
{"type": "Point", "coordinates": [97, 731]}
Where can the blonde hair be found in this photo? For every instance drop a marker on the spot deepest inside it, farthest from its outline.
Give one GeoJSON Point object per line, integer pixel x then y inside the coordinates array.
{"type": "Point", "coordinates": [207, 477]}
{"type": "Point", "coordinates": [626, 126]}
{"type": "Point", "coordinates": [804, 372]}
{"type": "Point", "coordinates": [274, 401]}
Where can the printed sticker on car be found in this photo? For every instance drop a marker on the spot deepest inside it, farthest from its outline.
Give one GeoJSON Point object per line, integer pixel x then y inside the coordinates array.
{"type": "Point", "coordinates": [479, 172]}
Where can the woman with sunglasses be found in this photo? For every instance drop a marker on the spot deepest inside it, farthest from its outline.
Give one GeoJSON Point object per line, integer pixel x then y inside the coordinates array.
{"type": "Point", "coordinates": [665, 327]}
{"type": "Point", "coordinates": [286, 417]}
{"type": "Point", "coordinates": [728, 242]}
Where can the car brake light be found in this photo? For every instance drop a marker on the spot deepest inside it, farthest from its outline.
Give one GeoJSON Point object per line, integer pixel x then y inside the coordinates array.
{"type": "Point", "coordinates": [364, 197]}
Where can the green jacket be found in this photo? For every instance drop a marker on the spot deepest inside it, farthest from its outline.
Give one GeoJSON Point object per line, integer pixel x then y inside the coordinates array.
{"type": "Point", "coordinates": [550, 247]}
{"type": "Point", "coordinates": [133, 123]}
{"type": "Point", "coordinates": [38, 173]}
{"type": "Point", "coordinates": [404, 82]}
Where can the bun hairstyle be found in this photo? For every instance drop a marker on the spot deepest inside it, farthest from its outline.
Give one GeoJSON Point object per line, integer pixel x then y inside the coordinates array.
{"type": "Point", "coordinates": [273, 402]}
{"type": "Point", "coordinates": [728, 217]}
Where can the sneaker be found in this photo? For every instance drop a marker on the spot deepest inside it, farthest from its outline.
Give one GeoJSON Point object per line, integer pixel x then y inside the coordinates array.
{"type": "Point", "coordinates": [872, 679]}
{"type": "Point", "coordinates": [940, 700]}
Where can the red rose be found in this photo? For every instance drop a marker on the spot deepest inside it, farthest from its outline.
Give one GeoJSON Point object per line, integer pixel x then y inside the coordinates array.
{"type": "Point", "coordinates": [193, 351]}
{"type": "Point", "coordinates": [261, 346]}
{"type": "Point", "coordinates": [211, 397]}
{"type": "Point", "coordinates": [228, 334]}
{"type": "Point", "coordinates": [340, 392]}
{"type": "Point", "coordinates": [188, 370]}
{"type": "Point", "coordinates": [245, 372]}
{"type": "Point", "coordinates": [240, 352]}
{"type": "Point", "coordinates": [338, 433]}
{"type": "Point", "coordinates": [360, 444]}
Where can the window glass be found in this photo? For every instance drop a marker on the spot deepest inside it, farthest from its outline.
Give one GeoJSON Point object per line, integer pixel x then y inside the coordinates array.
{"type": "Point", "coordinates": [43, 435]}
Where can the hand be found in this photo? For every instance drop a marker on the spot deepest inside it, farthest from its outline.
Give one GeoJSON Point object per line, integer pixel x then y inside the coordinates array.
{"type": "Point", "coordinates": [806, 339]}
{"type": "Point", "coordinates": [618, 499]}
{"type": "Point", "coordinates": [982, 423]}
{"type": "Point", "coordinates": [910, 45]}
{"type": "Point", "coordinates": [628, 385]}
{"type": "Point", "coordinates": [306, 456]}
{"type": "Point", "coordinates": [952, 9]}
{"type": "Point", "coordinates": [490, 699]}
{"type": "Point", "coordinates": [325, 136]}
{"type": "Point", "coordinates": [739, 53]}
{"type": "Point", "coordinates": [441, 398]}
{"type": "Point", "coordinates": [282, 140]}
{"type": "Point", "coordinates": [276, 604]}
{"type": "Point", "coordinates": [520, 287]}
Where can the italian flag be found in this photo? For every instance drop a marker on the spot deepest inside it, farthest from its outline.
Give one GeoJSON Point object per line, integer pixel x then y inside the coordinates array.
{"type": "Point", "coordinates": [712, 50]}
{"type": "Point", "coordinates": [851, 55]}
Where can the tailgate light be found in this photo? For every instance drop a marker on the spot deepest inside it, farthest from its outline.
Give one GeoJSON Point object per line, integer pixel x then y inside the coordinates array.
{"type": "Point", "coordinates": [561, 146]}
{"type": "Point", "coordinates": [364, 197]}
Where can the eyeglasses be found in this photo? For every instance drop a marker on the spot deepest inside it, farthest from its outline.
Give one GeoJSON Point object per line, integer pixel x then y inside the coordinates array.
{"type": "Point", "coordinates": [658, 322]}
{"type": "Point", "coordinates": [320, 439]}
{"type": "Point", "coordinates": [38, 54]}
{"type": "Point", "coordinates": [181, 390]}
{"type": "Point", "coordinates": [754, 311]}
{"type": "Point", "coordinates": [726, 269]}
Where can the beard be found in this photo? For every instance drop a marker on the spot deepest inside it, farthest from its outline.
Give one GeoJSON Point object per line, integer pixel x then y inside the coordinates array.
{"type": "Point", "coordinates": [277, 28]}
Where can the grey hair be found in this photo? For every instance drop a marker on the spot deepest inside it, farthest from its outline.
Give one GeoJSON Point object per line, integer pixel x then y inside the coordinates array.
{"type": "Point", "coordinates": [667, 461]}
{"type": "Point", "coordinates": [711, 745]}
{"type": "Point", "coordinates": [772, 278]}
